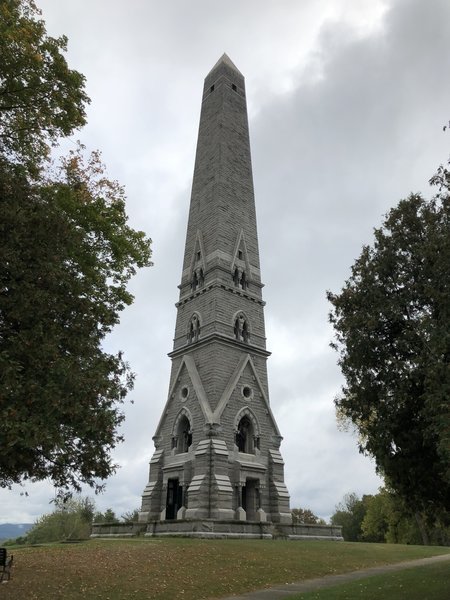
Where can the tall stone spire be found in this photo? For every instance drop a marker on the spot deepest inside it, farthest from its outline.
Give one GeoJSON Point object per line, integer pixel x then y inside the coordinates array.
{"type": "Point", "coordinates": [217, 444]}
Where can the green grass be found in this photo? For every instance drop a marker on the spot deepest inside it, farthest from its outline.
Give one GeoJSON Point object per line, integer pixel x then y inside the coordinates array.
{"type": "Point", "coordinates": [164, 569]}
{"type": "Point", "coordinates": [431, 582]}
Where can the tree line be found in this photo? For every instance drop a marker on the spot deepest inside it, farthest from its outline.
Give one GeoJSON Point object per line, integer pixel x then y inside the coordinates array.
{"type": "Point", "coordinates": [71, 520]}
{"type": "Point", "coordinates": [386, 518]}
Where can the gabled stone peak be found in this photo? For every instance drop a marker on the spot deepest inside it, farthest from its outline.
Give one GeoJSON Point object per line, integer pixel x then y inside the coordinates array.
{"type": "Point", "coordinates": [225, 59]}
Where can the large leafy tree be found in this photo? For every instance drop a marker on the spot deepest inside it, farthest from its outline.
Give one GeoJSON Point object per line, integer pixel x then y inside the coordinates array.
{"type": "Point", "coordinates": [65, 259]}
{"type": "Point", "coordinates": [66, 256]}
{"type": "Point", "coordinates": [393, 337]}
{"type": "Point", "coordinates": [41, 99]}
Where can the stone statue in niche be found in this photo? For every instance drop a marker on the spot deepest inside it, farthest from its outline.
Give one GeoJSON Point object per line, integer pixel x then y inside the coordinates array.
{"type": "Point", "coordinates": [239, 278]}
{"type": "Point", "coordinates": [241, 328]}
{"type": "Point", "coordinates": [244, 435]}
{"type": "Point", "coordinates": [186, 440]}
{"type": "Point", "coordinates": [198, 278]}
{"type": "Point", "coordinates": [182, 440]}
{"type": "Point", "coordinates": [194, 329]}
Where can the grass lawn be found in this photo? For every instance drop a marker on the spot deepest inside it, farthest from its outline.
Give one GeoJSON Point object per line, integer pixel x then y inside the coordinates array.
{"type": "Point", "coordinates": [420, 583]}
{"type": "Point", "coordinates": [165, 569]}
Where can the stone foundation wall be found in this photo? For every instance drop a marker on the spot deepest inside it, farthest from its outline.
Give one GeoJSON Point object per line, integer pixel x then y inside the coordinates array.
{"type": "Point", "coordinates": [210, 528]}
{"type": "Point", "coordinates": [117, 529]}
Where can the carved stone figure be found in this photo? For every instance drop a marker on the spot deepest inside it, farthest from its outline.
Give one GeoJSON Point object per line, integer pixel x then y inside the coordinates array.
{"type": "Point", "coordinates": [194, 329]}
{"type": "Point", "coordinates": [241, 329]}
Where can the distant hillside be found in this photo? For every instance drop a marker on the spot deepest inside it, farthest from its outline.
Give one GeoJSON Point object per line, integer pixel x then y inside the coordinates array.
{"type": "Point", "coordinates": [13, 530]}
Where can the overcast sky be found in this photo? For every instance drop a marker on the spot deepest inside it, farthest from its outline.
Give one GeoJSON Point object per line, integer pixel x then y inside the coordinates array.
{"type": "Point", "coordinates": [347, 100]}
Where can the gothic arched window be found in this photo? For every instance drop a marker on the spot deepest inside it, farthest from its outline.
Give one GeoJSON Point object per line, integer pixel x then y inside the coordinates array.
{"type": "Point", "coordinates": [183, 436]}
{"type": "Point", "coordinates": [245, 436]}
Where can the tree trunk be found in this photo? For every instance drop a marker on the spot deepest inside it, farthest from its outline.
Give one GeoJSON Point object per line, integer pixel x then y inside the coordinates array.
{"type": "Point", "coordinates": [422, 528]}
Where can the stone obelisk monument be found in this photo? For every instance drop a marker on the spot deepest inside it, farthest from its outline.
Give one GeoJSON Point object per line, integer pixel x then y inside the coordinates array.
{"type": "Point", "coordinates": [217, 470]}
{"type": "Point", "coordinates": [217, 444]}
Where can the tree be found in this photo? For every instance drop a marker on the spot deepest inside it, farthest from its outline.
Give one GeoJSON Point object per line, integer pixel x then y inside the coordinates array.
{"type": "Point", "coordinates": [402, 525]}
{"type": "Point", "coordinates": [390, 519]}
{"type": "Point", "coordinates": [41, 99]}
{"type": "Point", "coordinates": [392, 333]}
{"type": "Point", "coordinates": [62, 289]}
{"type": "Point", "coordinates": [375, 523]}
{"type": "Point", "coordinates": [109, 516]}
{"type": "Point", "coordinates": [305, 515]}
{"type": "Point", "coordinates": [130, 516]}
{"type": "Point", "coordinates": [71, 519]}
{"type": "Point", "coordinates": [349, 515]}
{"type": "Point", "coordinates": [66, 256]}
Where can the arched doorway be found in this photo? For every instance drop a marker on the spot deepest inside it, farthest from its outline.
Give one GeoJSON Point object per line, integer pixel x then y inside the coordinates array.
{"type": "Point", "coordinates": [250, 498]}
{"type": "Point", "coordinates": [174, 500]}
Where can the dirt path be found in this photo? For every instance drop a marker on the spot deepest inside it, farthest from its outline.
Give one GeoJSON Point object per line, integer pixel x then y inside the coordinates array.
{"type": "Point", "coordinates": [279, 592]}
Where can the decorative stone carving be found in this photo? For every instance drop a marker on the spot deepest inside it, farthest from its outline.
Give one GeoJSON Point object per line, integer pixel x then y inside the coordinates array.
{"type": "Point", "coordinates": [239, 278]}
{"type": "Point", "coordinates": [194, 329]}
{"type": "Point", "coordinates": [241, 331]}
{"type": "Point", "coordinates": [198, 278]}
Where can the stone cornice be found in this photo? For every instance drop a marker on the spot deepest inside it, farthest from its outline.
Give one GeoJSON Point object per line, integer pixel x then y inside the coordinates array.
{"type": "Point", "coordinates": [223, 339]}
{"type": "Point", "coordinates": [220, 284]}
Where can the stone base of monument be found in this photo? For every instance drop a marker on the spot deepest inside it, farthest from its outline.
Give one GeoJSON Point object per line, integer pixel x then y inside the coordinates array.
{"type": "Point", "coordinates": [211, 528]}
{"type": "Point", "coordinates": [108, 530]}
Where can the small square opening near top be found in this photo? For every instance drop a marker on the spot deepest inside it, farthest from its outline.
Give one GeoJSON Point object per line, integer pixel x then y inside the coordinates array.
{"type": "Point", "coordinates": [233, 87]}
{"type": "Point", "coordinates": [211, 89]}
{"type": "Point", "coordinates": [240, 254]}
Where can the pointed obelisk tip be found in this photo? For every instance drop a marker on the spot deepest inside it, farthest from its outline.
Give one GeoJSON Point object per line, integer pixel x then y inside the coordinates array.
{"type": "Point", "coordinates": [225, 59]}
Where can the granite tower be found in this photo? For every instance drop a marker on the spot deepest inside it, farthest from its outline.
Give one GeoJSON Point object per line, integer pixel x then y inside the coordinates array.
{"type": "Point", "coordinates": [217, 459]}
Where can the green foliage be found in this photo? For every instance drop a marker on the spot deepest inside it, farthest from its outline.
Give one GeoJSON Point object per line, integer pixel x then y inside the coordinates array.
{"type": "Point", "coordinates": [305, 515]}
{"type": "Point", "coordinates": [41, 99]}
{"type": "Point", "coordinates": [62, 289]}
{"type": "Point", "coordinates": [109, 516]}
{"type": "Point", "coordinates": [402, 526]}
{"type": "Point", "coordinates": [386, 517]}
{"type": "Point", "coordinates": [392, 333]}
{"type": "Point", "coordinates": [375, 523]}
{"type": "Point", "coordinates": [390, 519]}
{"type": "Point", "coordinates": [349, 514]}
{"type": "Point", "coordinates": [19, 541]}
{"type": "Point", "coordinates": [70, 520]}
{"type": "Point", "coordinates": [66, 256]}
